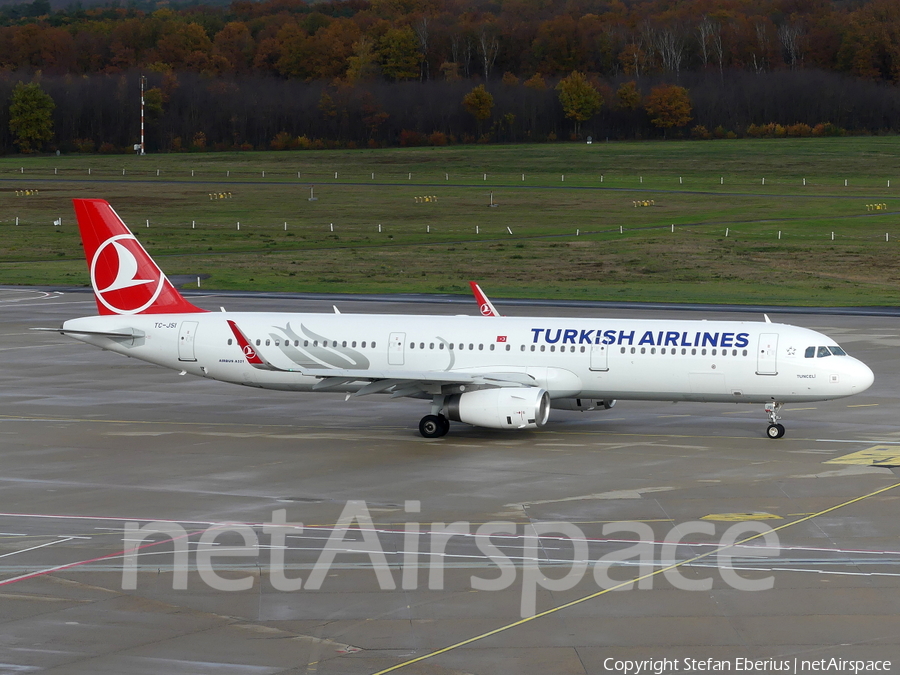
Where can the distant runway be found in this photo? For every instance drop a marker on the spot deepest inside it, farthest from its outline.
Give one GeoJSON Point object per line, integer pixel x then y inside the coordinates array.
{"type": "Point", "coordinates": [90, 441]}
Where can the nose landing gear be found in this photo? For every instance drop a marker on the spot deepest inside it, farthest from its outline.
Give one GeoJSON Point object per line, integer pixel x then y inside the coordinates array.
{"type": "Point", "coordinates": [774, 430]}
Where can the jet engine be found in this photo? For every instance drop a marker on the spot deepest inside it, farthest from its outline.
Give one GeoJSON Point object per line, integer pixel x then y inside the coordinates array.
{"type": "Point", "coordinates": [583, 404]}
{"type": "Point", "coordinates": [502, 408]}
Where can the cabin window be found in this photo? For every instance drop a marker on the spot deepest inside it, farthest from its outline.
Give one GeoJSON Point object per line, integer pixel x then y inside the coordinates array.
{"type": "Point", "coordinates": [532, 347]}
{"type": "Point", "coordinates": [229, 340]}
{"type": "Point", "coordinates": [745, 352]}
{"type": "Point", "coordinates": [412, 345]}
{"type": "Point", "coordinates": [257, 342]}
{"type": "Point", "coordinates": [481, 347]}
{"type": "Point", "coordinates": [461, 345]}
{"type": "Point", "coordinates": [652, 350]}
{"type": "Point", "coordinates": [430, 345]}
{"type": "Point", "coordinates": [702, 352]}
{"type": "Point", "coordinates": [441, 346]}
{"type": "Point", "coordinates": [373, 345]}
{"type": "Point", "coordinates": [276, 343]}
{"type": "Point", "coordinates": [344, 343]}
{"type": "Point", "coordinates": [623, 350]}
{"type": "Point", "coordinates": [450, 346]}
{"type": "Point", "coordinates": [543, 347]}
{"type": "Point", "coordinates": [523, 347]}
{"type": "Point", "coordinates": [683, 351]}
{"type": "Point", "coordinates": [296, 343]}
{"type": "Point", "coordinates": [421, 345]}
{"type": "Point", "coordinates": [662, 351]}
{"type": "Point", "coordinates": [471, 347]}
{"type": "Point", "coordinates": [552, 348]}
{"type": "Point", "coordinates": [508, 347]}
{"type": "Point", "coordinates": [582, 349]}
{"type": "Point", "coordinates": [353, 344]}
{"type": "Point", "coordinates": [632, 350]}
{"type": "Point", "coordinates": [693, 352]}
{"type": "Point", "coordinates": [713, 352]}
{"type": "Point", "coordinates": [643, 350]}
{"type": "Point", "coordinates": [734, 352]}
{"type": "Point", "coordinates": [363, 345]}
{"type": "Point", "coordinates": [492, 347]}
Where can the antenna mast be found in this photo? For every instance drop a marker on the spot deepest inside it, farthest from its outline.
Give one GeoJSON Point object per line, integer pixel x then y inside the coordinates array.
{"type": "Point", "coordinates": [143, 85]}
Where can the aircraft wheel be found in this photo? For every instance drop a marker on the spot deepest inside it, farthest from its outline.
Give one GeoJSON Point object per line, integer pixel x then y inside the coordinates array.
{"type": "Point", "coordinates": [775, 431]}
{"type": "Point", "coordinates": [433, 426]}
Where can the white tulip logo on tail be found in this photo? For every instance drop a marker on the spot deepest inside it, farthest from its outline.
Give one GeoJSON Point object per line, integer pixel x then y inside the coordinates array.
{"type": "Point", "coordinates": [122, 283]}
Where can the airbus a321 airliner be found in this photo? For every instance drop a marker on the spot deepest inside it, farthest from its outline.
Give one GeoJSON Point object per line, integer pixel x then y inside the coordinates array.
{"type": "Point", "coordinates": [501, 373]}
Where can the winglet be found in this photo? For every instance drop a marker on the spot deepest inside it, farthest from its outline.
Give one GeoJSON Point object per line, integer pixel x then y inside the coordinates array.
{"type": "Point", "coordinates": [253, 357]}
{"type": "Point", "coordinates": [485, 306]}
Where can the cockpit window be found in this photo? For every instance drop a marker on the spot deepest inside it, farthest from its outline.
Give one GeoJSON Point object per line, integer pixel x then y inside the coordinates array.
{"type": "Point", "coordinates": [810, 352]}
{"type": "Point", "coordinates": [837, 351]}
{"type": "Point", "coordinates": [823, 352]}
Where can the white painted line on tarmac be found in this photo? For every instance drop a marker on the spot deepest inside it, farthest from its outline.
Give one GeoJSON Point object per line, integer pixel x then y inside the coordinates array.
{"type": "Point", "coordinates": [842, 440]}
{"type": "Point", "coordinates": [34, 548]}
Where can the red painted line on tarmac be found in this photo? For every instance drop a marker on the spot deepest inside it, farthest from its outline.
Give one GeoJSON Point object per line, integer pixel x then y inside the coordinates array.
{"type": "Point", "coordinates": [59, 568]}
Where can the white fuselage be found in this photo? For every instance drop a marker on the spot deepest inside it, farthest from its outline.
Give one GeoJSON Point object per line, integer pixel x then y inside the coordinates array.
{"type": "Point", "coordinates": [723, 361]}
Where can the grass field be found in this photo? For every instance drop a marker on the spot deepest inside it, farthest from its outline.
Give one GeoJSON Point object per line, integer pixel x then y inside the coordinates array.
{"type": "Point", "coordinates": [832, 250]}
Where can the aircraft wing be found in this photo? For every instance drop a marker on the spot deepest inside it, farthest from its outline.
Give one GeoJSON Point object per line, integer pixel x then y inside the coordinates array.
{"type": "Point", "coordinates": [398, 382]}
{"type": "Point", "coordinates": [406, 383]}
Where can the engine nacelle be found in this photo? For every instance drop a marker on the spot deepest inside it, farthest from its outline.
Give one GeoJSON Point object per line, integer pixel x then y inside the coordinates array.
{"type": "Point", "coordinates": [502, 408]}
{"type": "Point", "coordinates": [582, 404]}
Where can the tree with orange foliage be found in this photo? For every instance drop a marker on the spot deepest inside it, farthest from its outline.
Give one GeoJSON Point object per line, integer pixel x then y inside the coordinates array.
{"type": "Point", "coordinates": [669, 106]}
{"type": "Point", "coordinates": [479, 103]}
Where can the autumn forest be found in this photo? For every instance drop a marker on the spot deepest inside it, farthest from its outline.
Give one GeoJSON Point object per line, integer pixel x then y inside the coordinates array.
{"type": "Point", "coordinates": [287, 74]}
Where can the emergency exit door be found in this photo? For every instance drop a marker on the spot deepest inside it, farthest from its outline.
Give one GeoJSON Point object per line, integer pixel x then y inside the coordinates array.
{"type": "Point", "coordinates": [599, 357]}
{"type": "Point", "coordinates": [395, 349]}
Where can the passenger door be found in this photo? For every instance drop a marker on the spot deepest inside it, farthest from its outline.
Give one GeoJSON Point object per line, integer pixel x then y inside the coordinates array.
{"type": "Point", "coordinates": [186, 334]}
{"type": "Point", "coordinates": [766, 361]}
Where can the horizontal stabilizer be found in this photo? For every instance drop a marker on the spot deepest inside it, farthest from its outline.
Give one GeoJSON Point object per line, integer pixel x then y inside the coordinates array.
{"type": "Point", "coordinates": [128, 333]}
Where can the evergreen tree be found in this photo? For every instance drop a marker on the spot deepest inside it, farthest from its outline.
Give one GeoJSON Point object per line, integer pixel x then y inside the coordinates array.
{"type": "Point", "coordinates": [31, 116]}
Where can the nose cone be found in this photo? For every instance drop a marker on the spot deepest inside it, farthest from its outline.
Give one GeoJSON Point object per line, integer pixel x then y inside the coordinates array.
{"type": "Point", "coordinates": [861, 377]}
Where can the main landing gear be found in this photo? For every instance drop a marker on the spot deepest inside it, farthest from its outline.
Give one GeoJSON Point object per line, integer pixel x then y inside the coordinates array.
{"type": "Point", "coordinates": [774, 430]}
{"type": "Point", "coordinates": [434, 426]}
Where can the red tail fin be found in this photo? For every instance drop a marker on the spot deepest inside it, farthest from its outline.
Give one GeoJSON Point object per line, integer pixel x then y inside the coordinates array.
{"type": "Point", "coordinates": [124, 276]}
